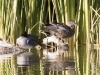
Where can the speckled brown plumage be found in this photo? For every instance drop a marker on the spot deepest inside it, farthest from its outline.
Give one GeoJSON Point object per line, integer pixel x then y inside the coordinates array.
{"type": "Point", "coordinates": [61, 30]}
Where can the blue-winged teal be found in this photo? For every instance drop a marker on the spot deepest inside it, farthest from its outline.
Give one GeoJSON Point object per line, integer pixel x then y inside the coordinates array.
{"type": "Point", "coordinates": [61, 30]}
{"type": "Point", "coordinates": [27, 41]}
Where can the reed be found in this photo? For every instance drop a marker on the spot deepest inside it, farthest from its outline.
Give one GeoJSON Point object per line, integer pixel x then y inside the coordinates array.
{"type": "Point", "coordinates": [17, 16]}
{"type": "Point", "coordinates": [7, 67]}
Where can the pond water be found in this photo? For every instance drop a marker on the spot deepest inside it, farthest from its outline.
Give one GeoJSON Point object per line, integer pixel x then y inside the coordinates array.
{"type": "Point", "coordinates": [79, 60]}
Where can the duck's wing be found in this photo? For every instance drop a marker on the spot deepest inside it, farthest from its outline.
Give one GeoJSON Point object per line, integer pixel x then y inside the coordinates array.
{"type": "Point", "coordinates": [54, 28]}
{"type": "Point", "coordinates": [50, 27]}
{"type": "Point", "coordinates": [63, 31]}
{"type": "Point", "coordinates": [34, 38]}
{"type": "Point", "coordinates": [63, 28]}
{"type": "Point", "coordinates": [32, 42]}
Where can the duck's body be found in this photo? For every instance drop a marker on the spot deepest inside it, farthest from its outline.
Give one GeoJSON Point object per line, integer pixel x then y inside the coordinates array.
{"type": "Point", "coordinates": [61, 30]}
{"type": "Point", "coordinates": [27, 41]}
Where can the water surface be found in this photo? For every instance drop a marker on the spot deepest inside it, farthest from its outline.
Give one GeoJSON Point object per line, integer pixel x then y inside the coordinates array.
{"type": "Point", "coordinates": [80, 60]}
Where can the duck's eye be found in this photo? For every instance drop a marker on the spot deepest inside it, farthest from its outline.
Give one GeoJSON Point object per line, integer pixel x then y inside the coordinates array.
{"type": "Point", "coordinates": [59, 38]}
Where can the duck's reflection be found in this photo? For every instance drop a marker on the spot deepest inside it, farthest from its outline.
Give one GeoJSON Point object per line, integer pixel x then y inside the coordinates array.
{"type": "Point", "coordinates": [55, 61]}
{"type": "Point", "coordinates": [52, 55]}
{"type": "Point", "coordinates": [27, 58]}
{"type": "Point", "coordinates": [26, 61]}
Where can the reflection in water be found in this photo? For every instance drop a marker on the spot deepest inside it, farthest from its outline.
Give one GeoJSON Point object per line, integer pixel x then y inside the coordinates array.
{"type": "Point", "coordinates": [52, 55]}
{"type": "Point", "coordinates": [27, 62]}
{"type": "Point", "coordinates": [54, 62]}
{"type": "Point", "coordinates": [61, 48]}
{"type": "Point", "coordinates": [27, 58]}
{"type": "Point", "coordinates": [80, 61]}
{"type": "Point", "coordinates": [58, 65]}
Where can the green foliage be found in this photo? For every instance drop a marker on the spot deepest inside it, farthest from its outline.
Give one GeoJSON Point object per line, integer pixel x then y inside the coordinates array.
{"type": "Point", "coordinates": [17, 16]}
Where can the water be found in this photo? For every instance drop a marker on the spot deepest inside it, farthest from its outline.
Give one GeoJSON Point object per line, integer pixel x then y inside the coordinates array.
{"type": "Point", "coordinates": [80, 60]}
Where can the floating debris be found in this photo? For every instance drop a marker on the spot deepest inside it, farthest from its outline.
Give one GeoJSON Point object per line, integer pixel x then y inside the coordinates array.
{"type": "Point", "coordinates": [4, 43]}
{"type": "Point", "coordinates": [53, 38]}
{"type": "Point", "coordinates": [61, 45]}
{"type": "Point", "coordinates": [7, 49]}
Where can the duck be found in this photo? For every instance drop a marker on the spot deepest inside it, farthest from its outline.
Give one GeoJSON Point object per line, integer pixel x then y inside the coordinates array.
{"type": "Point", "coordinates": [61, 30]}
{"type": "Point", "coordinates": [27, 41]}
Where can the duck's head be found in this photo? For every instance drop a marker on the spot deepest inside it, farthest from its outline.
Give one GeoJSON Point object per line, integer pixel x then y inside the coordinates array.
{"type": "Point", "coordinates": [24, 34]}
{"type": "Point", "coordinates": [72, 23]}
{"type": "Point", "coordinates": [1, 39]}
